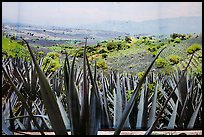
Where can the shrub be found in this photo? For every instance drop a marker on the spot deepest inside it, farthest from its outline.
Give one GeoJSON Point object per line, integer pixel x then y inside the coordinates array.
{"type": "Point", "coordinates": [173, 59]}
{"type": "Point", "coordinates": [160, 63]}
{"type": "Point", "coordinates": [13, 37]}
{"type": "Point", "coordinates": [54, 65]}
{"type": "Point", "coordinates": [102, 51]}
{"type": "Point", "coordinates": [98, 45]}
{"type": "Point", "coordinates": [158, 46]}
{"type": "Point", "coordinates": [128, 39]}
{"type": "Point", "coordinates": [154, 54]}
{"type": "Point", "coordinates": [193, 48]}
{"type": "Point", "coordinates": [91, 49]}
{"type": "Point", "coordinates": [140, 74]}
{"type": "Point", "coordinates": [174, 35]}
{"type": "Point", "coordinates": [119, 45]}
{"type": "Point", "coordinates": [20, 42]}
{"type": "Point", "coordinates": [152, 48]}
{"type": "Point", "coordinates": [102, 64]}
{"type": "Point", "coordinates": [130, 66]}
{"type": "Point", "coordinates": [80, 53]}
{"type": "Point", "coordinates": [51, 64]}
{"type": "Point", "coordinates": [104, 55]}
{"type": "Point", "coordinates": [40, 53]}
{"type": "Point", "coordinates": [125, 46]}
{"type": "Point", "coordinates": [177, 40]}
{"type": "Point", "coordinates": [111, 45]}
{"type": "Point", "coordinates": [53, 55]}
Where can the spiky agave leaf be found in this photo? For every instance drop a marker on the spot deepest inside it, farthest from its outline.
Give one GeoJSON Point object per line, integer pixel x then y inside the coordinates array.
{"type": "Point", "coordinates": [117, 101]}
{"type": "Point", "coordinates": [153, 126]}
{"type": "Point", "coordinates": [195, 113]}
{"type": "Point", "coordinates": [133, 98]}
{"type": "Point", "coordinates": [4, 126]}
{"type": "Point", "coordinates": [152, 114]}
{"type": "Point", "coordinates": [72, 98]}
{"type": "Point", "coordinates": [94, 104]}
{"type": "Point", "coordinates": [22, 99]}
{"type": "Point", "coordinates": [172, 121]}
{"type": "Point", "coordinates": [84, 115]}
{"type": "Point", "coordinates": [49, 99]}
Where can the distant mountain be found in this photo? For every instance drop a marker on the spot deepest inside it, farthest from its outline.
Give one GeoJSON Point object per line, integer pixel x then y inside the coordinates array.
{"type": "Point", "coordinates": [192, 24]}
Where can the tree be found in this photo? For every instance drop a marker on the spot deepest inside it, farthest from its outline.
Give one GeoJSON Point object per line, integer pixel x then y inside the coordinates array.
{"type": "Point", "coordinates": [128, 39]}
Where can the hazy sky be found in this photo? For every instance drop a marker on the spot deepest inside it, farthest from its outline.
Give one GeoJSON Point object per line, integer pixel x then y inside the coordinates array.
{"type": "Point", "coordinates": [65, 13]}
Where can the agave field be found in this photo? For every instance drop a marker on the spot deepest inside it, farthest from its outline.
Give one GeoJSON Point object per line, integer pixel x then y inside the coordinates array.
{"type": "Point", "coordinates": [84, 90]}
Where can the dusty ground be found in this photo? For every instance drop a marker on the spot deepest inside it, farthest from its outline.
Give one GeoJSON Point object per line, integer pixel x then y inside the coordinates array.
{"type": "Point", "coordinates": [194, 132]}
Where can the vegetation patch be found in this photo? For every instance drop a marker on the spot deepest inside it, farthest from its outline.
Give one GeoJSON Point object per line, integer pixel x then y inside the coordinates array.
{"type": "Point", "coordinates": [102, 64]}
{"type": "Point", "coordinates": [160, 63]}
{"type": "Point", "coordinates": [173, 59]}
{"type": "Point", "coordinates": [193, 48]}
{"type": "Point", "coordinates": [11, 48]}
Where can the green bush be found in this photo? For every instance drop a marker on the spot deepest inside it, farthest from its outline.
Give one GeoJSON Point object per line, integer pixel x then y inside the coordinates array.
{"type": "Point", "coordinates": [140, 74]}
{"type": "Point", "coordinates": [53, 55]}
{"type": "Point", "coordinates": [130, 66]}
{"type": "Point", "coordinates": [51, 62]}
{"type": "Point", "coordinates": [111, 45]}
{"type": "Point", "coordinates": [173, 59]}
{"type": "Point", "coordinates": [102, 51]}
{"type": "Point", "coordinates": [152, 48]}
{"type": "Point", "coordinates": [102, 64]}
{"type": "Point", "coordinates": [193, 48]}
{"type": "Point", "coordinates": [125, 46]}
{"type": "Point", "coordinates": [154, 54]}
{"type": "Point", "coordinates": [91, 49]}
{"type": "Point", "coordinates": [160, 63]}
{"type": "Point", "coordinates": [128, 39]}
{"type": "Point", "coordinates": [40, 53]}
{"type": "Point", "coordinates": [158, 46]}
{"type": "Point", "coordinates": [177, 40]}
{"type": "Point", "coordinates": [80, 53]}
{"type": "Point", "coordinates": [54, 65]}
{"type": "Point", "coordinates": [174, 35]}
{"type": "Point", "coordinates": [104, 55]}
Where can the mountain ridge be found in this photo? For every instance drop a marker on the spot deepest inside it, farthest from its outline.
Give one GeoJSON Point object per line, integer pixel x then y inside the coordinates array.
{"type": "Point", "coordinates": [191, 24]}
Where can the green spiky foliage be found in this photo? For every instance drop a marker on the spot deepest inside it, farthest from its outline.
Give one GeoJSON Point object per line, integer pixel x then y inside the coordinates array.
{"type": "Point", "coordinates": [193, 48]}
{"type": "Point", "coordinates": [102, 64]}
{"type": "Point", "coordinates": [51, 62]}
{"type": "Point", "coordinates": [160, 63]}
{"type": "Point", "coordinates": [174, 59]}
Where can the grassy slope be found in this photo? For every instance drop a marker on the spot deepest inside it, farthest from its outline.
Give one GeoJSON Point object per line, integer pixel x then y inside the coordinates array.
{"type": "Point", "coordinates": [13, 48]}
{"type": "Point", "coordinates": [137, 58]}
{"type": "Point", "coordinates": [133, 60]}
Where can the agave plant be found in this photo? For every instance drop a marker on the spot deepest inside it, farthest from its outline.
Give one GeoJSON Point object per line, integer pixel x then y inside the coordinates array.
{"type": "Point", "coordinates": [85, 101]}
{"type": "Point", "coordinates": [175, 107]}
